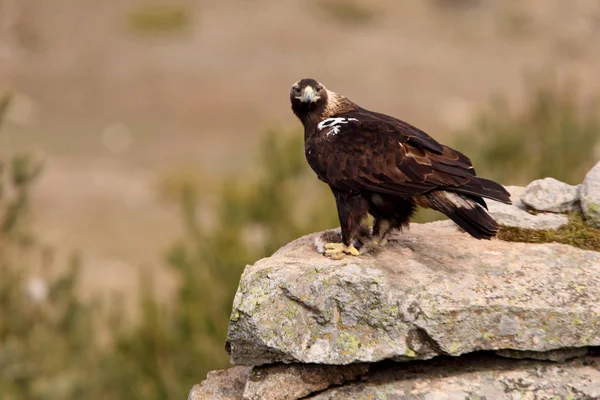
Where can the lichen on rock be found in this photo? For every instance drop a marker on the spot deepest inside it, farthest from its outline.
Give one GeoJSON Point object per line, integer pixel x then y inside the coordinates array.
{"type": "Point", "coordinates": [431, 291]}
{"type": "Point", "coordinates": [551, 195]}
{"type": "Point", "coordinates": [435, 314]}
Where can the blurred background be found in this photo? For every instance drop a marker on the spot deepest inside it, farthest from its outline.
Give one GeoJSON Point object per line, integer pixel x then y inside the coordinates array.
{"type": "Point", "coordinates": [148, 153]}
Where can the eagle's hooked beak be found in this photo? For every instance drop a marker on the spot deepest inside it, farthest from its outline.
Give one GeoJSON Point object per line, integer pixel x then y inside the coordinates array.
{"type": "Point", "coordinates": [309, 95]}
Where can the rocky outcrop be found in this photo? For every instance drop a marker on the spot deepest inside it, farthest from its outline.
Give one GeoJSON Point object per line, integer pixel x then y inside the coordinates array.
{"type": "Point", "coordinates": [475, 376]}
{"type": "Point", "coordinates": [431, 291]}
{"type": "Point", "coordinates": [222, 385]}
{"type": "Point", "coordinates": [476, 319]}
{"type": "Point", "coordinates": [435, 314]}
{"type": "Point", "coordinates": [295, 381]}
{"type": "Point", "coordinates": [590, 196]}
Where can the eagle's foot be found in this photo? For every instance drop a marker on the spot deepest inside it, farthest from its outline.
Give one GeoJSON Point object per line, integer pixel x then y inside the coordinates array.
{"type": "Point", "coordinates": [381, 242]}
{"type": "Point", "coordinates": [378, 242]}
{"type": "Point", "coordinates": [338, 251]}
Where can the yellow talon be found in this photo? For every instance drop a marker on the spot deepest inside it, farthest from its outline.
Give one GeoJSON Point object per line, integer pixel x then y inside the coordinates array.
{"type": "Point", "coordinates": [337, 250]}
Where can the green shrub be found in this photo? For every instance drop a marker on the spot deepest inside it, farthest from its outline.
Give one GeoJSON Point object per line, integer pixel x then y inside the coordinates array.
{"type": "Point", "coordinates": [174, 347]}
{"type": "Point", "coordinates": [46, 334]}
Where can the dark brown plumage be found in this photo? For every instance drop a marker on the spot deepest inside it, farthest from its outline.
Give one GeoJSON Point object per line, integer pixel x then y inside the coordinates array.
{"type": "Point", "coordinates": [381, 165]}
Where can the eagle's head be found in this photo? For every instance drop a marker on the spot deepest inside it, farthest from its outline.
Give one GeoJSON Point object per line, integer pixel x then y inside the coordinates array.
{"type": "Point", "coordinates": [309, 99]}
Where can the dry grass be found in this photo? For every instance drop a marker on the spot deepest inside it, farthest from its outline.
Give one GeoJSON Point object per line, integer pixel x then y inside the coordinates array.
{"type": "Point", "coordinates": [576, 233]}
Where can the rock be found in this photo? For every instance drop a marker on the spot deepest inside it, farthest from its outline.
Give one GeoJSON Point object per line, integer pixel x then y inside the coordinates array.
{"type": "Point", "coordinates": [226, 384]}
{"type": "Point", "coordinates": [476, 378]}
{"type": "Point", "coordinates": [295, 381]}
{"type": "Point", "coordinates": [431, 291]}
{"type": "Point", "coordinates": [508, 215]}
{"type": "Point", "coordinates": [559, 355]}
{"type": "Point", "coordinates": [516, 215]}
{"type": "Point", "coordinates": [470, 377]}
{"type": "Point", "coordinates": [589, 195]}
{"type": "Point", "coordinates": [515, 196]}
{"type": "Point", "coordinates": [551, 195]}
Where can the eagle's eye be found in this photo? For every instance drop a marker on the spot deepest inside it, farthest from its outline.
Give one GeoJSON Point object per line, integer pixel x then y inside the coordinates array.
{"type": "Point", "coordinates": [319, 89]}
{"type": "Point", "coordinates": [296, 90]}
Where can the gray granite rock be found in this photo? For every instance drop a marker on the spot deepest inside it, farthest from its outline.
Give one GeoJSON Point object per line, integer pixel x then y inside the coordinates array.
{"type": "Point", "coordinates": [227, 384]}
{"type": "Point", "coordinates": [470, 377]}
{"type": "Point", "coordinates": [508, 215]}
{"type": "Point", "coordinates": [295, 381]}
{"type": "Point", "coordinates": [551, 195]}
{"type": "Point", "coordinates": [516, 215]}
{"type": "Point", "coordinates": [589, 195]}
{"type": "Point", "coordinates": [473, 378]}
{"type": "Point", "coordinates": [558, 355]}
{"type": "Point", "coordinates": [432, 290]}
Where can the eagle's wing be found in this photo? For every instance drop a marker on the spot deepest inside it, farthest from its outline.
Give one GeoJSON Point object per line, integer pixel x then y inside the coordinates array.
{"type": "Point", "coordinates": [378, 153]}
{"type": "Point", "coordinates": [403, 131]}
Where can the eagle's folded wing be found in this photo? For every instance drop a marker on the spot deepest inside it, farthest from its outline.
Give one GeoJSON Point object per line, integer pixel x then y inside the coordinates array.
{"type": "Point", "coordinates": [374, 154]}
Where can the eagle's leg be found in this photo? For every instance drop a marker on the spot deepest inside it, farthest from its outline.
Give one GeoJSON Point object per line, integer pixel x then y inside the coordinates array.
{"type": "Point", "coordinates": [390, 213]}
{"type": "Point", "coordinates": [381, 228]}
{"type": "Point", "coordinates": [352, 208]}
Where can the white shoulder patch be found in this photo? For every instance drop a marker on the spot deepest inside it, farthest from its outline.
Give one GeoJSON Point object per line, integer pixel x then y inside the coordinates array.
{"type": "Point", "coordinates": [334, 124]}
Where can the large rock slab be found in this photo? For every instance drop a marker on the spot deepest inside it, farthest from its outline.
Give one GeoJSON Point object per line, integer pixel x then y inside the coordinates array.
{"type": "Point", "coordinates": [476, 378]}
{"type": "Point", "coordinates": [432, 290]}
{"type": "Point", "coordinates": [295, 381]}
{"type": "Point", "coordinates": [226, 384]}
{"type": "Point", "coordinates": [558, 355]}
{"type": "Point", "coordinates": [552, 195]}
{"type": "Point", "coordinates": [589, 195]}
{"type": "Point", "coordinates": [470, 377]}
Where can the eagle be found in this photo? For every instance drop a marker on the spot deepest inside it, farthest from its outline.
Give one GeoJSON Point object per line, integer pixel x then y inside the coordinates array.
{"type": "Point", "coordinates": [380, 165]}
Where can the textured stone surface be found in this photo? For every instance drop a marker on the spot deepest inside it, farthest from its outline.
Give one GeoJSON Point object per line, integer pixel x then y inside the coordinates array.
{"type": "Point", "coordinates": [515, 196]}
{"type": "Point", "coordinates": [558, 355]}
{"type": "Point", "coordinates": [552, 195]}
{"type": "Point", "coordinates": [227, 384]}
{"type": "Point", "coordinates": [477, 378]}
{"type": "Point", "coordinates": [474, 376]}
{"type": "Point", "coordinates": [516, 215]}
{"type": "Point", "coordinates": [589, 195]}
{"type": "Point", "coordinates": [294, 381]}
{"type": "Point", "coordinates": [432, 290]}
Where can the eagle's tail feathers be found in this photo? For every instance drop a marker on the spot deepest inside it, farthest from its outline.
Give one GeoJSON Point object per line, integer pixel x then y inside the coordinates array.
{"type": "Point", "coordinates": [466, 211]}
{"type": "Point", "coordinates": [481, 187]}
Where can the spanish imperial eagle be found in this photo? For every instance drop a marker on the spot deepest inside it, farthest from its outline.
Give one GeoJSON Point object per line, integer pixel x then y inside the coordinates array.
{"type": "Point", "coordinates": [386, 167]}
